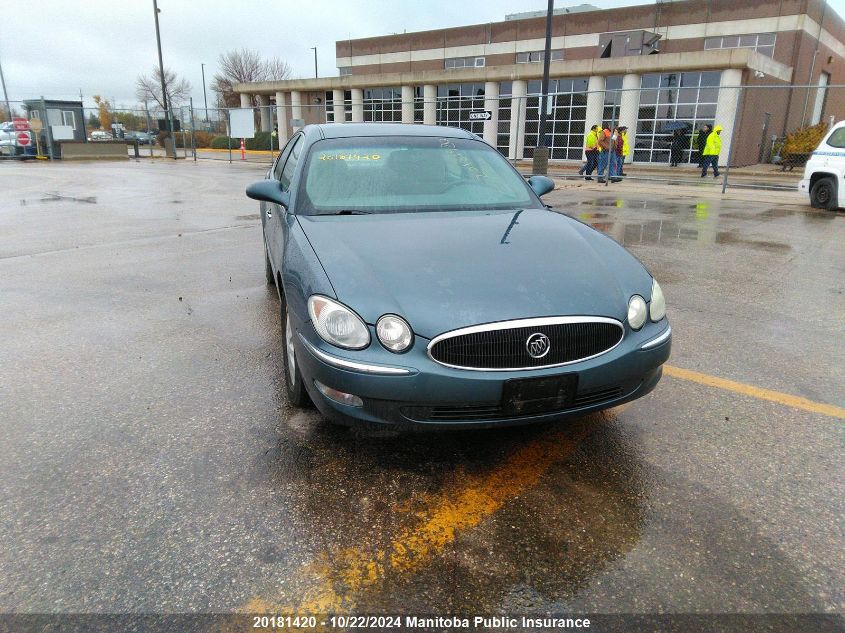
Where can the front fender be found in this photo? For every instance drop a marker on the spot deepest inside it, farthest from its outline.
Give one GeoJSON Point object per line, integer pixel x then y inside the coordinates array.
{"type": "Point", "coordinates": [302, 273]}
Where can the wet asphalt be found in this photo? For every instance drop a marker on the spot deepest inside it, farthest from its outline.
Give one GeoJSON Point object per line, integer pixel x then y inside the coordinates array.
{"type": "Point", "coordinates": [149, 461]}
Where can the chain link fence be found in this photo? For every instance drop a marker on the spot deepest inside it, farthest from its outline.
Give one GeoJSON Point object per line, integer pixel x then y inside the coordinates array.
{"type": "Point", "coordinates": [766, 132]}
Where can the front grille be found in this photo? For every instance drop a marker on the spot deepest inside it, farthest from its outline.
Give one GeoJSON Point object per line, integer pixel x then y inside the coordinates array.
{"type": "Point", "coordinates": [496, 412]}
{"type": "Point", "coordinates": [501, 346]}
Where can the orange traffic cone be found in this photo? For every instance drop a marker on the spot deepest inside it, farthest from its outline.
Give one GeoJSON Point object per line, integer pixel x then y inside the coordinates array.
{"type": "Point", "coordinates": [243, 153]}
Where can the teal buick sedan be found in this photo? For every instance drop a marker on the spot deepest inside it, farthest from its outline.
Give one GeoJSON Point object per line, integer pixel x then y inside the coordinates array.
{"type": "Point", "coordinates": [423, 283]}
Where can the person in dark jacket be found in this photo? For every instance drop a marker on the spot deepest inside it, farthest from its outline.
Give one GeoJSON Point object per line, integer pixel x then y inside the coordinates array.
{"type": "Point", "coordinates": [679, 144]}
{"type": "Point", "coordinates": [700, 142]}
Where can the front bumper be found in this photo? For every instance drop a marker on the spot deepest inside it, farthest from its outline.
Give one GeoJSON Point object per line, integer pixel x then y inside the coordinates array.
{"type": "Point", "coordinates": [412, 391]}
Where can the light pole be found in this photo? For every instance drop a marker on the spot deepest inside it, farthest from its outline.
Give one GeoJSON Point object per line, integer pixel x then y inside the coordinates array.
{"type": "Point", "coordinates": [169, 141]}
{"type": "Point", "coordinates": [314, 48]}
{"type": "Point", "coordinates": [204, 97]}
{"type": "Point", "coordinates": [6, 96]}
{"type": "Point", "coordinates": [541, 152]}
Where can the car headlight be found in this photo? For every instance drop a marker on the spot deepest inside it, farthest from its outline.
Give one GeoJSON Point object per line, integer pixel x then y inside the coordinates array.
{"type": "Point", "coordinates": [637, 312]}
{"type": "Point", "coordinates": [337, 324]}
{"type": "Point", "coordinates": [394, 333]}
{"type": "Point", "coordinates": [657, 309]}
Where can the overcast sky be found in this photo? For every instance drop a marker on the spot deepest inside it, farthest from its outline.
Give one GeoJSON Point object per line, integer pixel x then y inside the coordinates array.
{"type": "Point", "coordinates": [56, 48]}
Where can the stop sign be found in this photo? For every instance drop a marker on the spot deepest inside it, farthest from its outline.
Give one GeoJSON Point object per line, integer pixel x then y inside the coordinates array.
{"type": "Point", "coordinates": [23, 138]}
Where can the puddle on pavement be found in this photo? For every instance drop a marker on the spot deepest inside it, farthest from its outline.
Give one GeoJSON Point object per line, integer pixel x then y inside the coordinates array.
{"type": "Point", "coordinates": [251, 216]}
{"type": "Point", "coordinates": [730, 237]}
{"type": "Point", "coordinates": [55, 197]}
{"type": "Point", "coordinates": [653, 232]}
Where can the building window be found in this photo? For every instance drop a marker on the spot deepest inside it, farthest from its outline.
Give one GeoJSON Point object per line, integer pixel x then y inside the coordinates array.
{"type": "Point", "coordinates": [565, 125]}
{"type": "Point", "coordinates": [456, 101]}
{"type": "Point", "coordinates": [538, 56]}
{"type": "Point", "coordinates": [763, 43]}
{"type": "Point", "coordinates": [464, 62]}
{"type": "Point", "coordinates": [68, 118]}
{"type": "Point", "coordinates": [345, 70]}
{"type": "Point", "coordinates": [419, 105]}
{"type": "Point", "coordinates": [503, 133]}
{"type": "Point", "coordinates": [329, 102]}
{"type": "Point", "coordinates": [671, 101]}
{"type": "Point", "coordinates": [383, 105]}
{"type": "Point", "coordinates": [612, 102]}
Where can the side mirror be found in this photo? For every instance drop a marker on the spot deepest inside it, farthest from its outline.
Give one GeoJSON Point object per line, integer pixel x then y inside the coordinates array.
{"type": "Point", "coordinates": [541, 184]}
{"type": "Point", "coordinates": [268, 191]}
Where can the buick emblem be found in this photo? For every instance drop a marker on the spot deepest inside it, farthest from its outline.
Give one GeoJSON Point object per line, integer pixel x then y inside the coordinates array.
{"type": "Point", "coordinates": [538, 345]}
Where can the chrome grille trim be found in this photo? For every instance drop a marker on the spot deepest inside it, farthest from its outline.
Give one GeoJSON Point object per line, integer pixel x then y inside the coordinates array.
{"type": "Point", "coordinates": [521, 323]}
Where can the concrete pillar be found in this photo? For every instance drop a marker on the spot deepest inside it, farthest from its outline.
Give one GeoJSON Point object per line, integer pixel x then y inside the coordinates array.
{"type": "Point", "coordinates": [491, 103]}
{"type": "Point", "coordinates": [295, 106]}
{"type": "Point", "coordinates": [629, 109]}
{"type": "Point", "coordinates": [430, 104]}
{"type": "Point", "coordinates": [595, 104]}
{"type": "Point", "coordinates": [264, 111]}
{"type": "Point", "coordinates": [726, 110]}
{"type": "Point", "coordinates": [246, 100]}
{"type": "Point", "coordinates": [407, 104]}
{"type": "Point", "coordinates": [357, 105]}
{"type": "Point", "coordinates": [338, 106]}
{"type": "Point", "coordinates": [516, 144]}
{"type": "Point", "coordinates": [282, 118]}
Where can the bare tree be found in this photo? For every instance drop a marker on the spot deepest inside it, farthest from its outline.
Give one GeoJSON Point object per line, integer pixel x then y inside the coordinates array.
{"type": "Point", "coordinates": [148, 88]}
{"type": "Point", "coordinates": [241, 66]}
{"type": "Point", "coordinates": [276, 69]}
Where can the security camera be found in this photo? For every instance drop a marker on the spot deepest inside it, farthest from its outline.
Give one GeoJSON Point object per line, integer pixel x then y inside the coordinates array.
{"type": "Point", "coordinates": [759, 74]}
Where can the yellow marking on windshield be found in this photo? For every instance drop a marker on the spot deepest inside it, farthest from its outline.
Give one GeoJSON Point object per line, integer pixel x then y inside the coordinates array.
{"type": "Point", "coordinates": [353, 156]}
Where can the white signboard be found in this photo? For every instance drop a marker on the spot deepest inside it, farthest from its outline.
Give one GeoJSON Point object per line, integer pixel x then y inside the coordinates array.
{"type": "Point", "coordinates": [62, 132]}
{"type": "Point", "coordinates": [241, 123]}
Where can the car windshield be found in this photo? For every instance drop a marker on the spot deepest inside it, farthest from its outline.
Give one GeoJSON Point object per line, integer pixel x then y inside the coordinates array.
{"type": "Point", "coordinates": [407, 174]}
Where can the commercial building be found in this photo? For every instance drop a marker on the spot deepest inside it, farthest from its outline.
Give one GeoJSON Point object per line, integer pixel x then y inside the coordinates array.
{"type": "Point", "coordinates": [643, 66]}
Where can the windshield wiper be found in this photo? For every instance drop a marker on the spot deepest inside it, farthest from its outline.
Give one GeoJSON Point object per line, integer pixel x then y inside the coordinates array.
{"type": "Point", "coordinates": [348, 212]}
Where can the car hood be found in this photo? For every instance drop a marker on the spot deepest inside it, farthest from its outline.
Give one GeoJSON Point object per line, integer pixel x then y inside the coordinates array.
{"type": "Point", "coordinates": [442, 271]}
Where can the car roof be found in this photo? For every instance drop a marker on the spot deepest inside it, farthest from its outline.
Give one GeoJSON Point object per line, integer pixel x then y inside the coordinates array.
{"type": "Point", "coordinates": [347, 130]}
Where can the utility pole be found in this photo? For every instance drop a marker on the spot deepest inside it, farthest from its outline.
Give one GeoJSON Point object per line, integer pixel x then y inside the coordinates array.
{"type": "Point", "coordinates": [204, 97]}
{"type": "Point", "coordinates": [314, 48]}
{"type": "Point", "coordinates": [541, 152]}
{"type": "Point", "coordinates": [169, 142]}
{"type": "Point", "coordinates": [5, 94]}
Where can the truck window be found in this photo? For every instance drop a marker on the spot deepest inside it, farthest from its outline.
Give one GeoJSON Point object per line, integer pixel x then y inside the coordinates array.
{"type": "Point", "coordinates": [837, 139]}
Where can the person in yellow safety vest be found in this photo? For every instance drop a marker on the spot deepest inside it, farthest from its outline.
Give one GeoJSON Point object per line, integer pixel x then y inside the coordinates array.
{"type": "Point", "coordinates": [591, 149]}
{"type": "Point", "coordinates": [626, 149]}
{"type": "Point", "coordinates": [711, 152]}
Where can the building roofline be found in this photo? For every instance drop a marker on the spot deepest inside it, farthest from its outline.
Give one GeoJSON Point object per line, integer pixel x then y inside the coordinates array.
{"type": "Point", "coordinates": [716, 59]}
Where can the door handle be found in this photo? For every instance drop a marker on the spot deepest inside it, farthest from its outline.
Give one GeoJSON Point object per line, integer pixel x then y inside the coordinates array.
{"type": "Point", "coordinates": [269, 213]}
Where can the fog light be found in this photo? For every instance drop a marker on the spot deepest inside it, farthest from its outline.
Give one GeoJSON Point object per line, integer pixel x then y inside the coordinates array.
{"type": "Point", "coordinates": [339, 396]}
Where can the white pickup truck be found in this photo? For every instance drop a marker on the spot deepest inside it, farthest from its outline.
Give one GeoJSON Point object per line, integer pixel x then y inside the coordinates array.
{"type": "Point", "coordinates": [824, 175]}
{"type": "Point", "coordinates": [9, 145]}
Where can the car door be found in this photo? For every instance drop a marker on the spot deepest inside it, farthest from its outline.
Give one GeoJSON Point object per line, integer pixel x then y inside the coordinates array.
{"type": "Point", "coordinates": [273, 214]}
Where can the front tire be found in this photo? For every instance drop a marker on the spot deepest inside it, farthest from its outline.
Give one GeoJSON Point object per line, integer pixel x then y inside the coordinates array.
{"type": "Point", "coordinates": [823, 194]}
{"type": "Point", "coordinates": [294, 386]}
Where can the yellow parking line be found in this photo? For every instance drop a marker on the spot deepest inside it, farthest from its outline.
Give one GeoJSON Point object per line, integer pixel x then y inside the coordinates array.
{"type": "Point", "coordinates": [336, 578]}
{"type": "Point", "coordinates": [755, 392]}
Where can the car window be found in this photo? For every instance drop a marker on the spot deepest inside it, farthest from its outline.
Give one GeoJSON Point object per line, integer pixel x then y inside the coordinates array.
{"type": "Point", "coordinates": [409, 173]}
{"type": "Point", "coordinates": [837, 139]}
{"type": "Point", "coordinates": [290, 164]}
{"type": "Point", "coordinates": [283, 156]}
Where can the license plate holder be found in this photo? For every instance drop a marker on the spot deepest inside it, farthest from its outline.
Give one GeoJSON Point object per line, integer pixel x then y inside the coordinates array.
{"type": "Point", "coordinates": [526, 396]}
